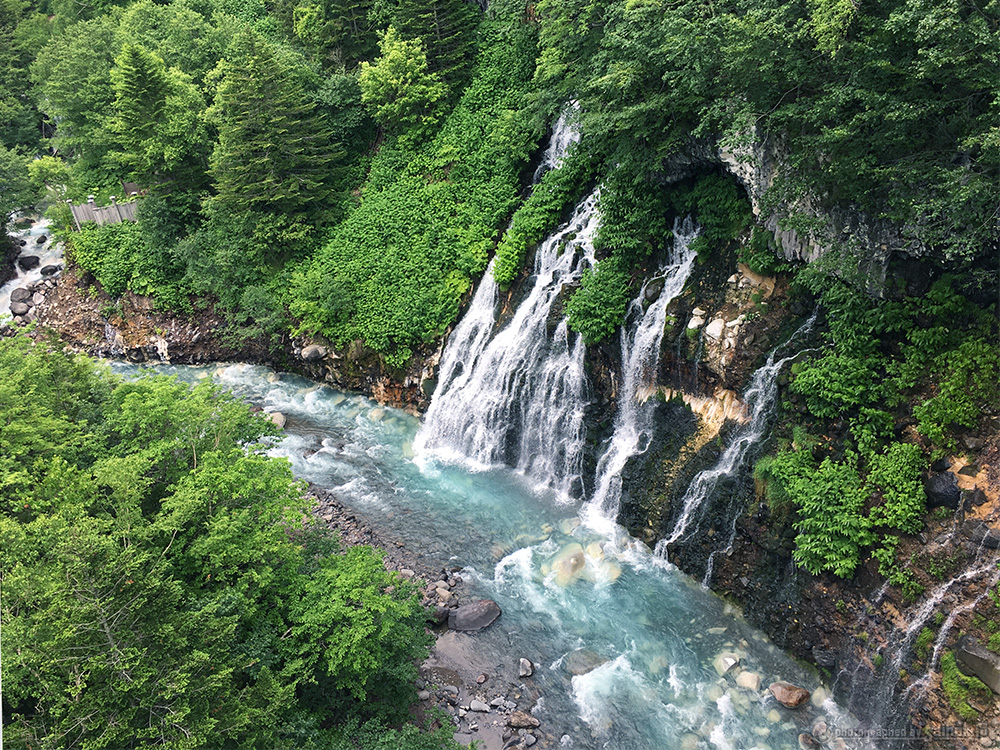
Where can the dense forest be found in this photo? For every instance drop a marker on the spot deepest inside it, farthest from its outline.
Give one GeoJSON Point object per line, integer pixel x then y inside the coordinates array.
{"type": "Point", "coordinates": [344, 170]}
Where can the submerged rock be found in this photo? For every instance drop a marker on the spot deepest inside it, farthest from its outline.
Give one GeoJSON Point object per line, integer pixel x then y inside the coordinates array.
{"type": "Point", "coordinates": [725, 661]}
{"type": "Point", "coordinates": [788, 695]}
{"type": "Point", "coordinates": [474, 616]}
{"type": "Point", "coordinates": [582, 661]}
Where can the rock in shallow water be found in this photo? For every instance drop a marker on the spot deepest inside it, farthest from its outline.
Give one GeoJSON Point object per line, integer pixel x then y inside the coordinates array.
{"type": "Point", "coordinates": [788, 695]}
{"type": "Point", "coordinates": [523, 720]}
{"type": "Point", "coordinates": [525, 668]}
{"type": "Point", "coordinates": [474, 616]}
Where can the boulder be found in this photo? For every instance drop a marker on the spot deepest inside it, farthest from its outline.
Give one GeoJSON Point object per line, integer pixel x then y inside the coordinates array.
{"type": "Point", "coordinates": [20, 295]}
{"type": "Point", "coordinates": [525, 668]}
{"type": "Point", "coordinates": [277, 418]}
{"type": "Point", "coordinates": [18, 308]}
{"type": "Point", "coordinates": [977, 661]}
{"type": "Point", "coordinates": [313, 352]}
{"type": "Point", "coordinates": [37, 298]}
{"type": "Point", "coordinates": [523, 720]}
{"type": "Point", "coordinates": [824, 657]}
{"type": "Point", "coordinates": [582, 661]}
{"type": "Point", "coordinates": [976, 498]}
{"type": "Point", "coordinates": [568, 563]}
{"type": "Point", "coordinates": [478, 706]}
{"type": "Point", "coordinates": [715, 328]}
{"type": "Point", "coordinates": [725, 661]}
{"type": "Point", "coordinates": [50, 270]}
{"type": "Point", "coordinates": [748, 680]}
{"type": "Point", "coordinates": [981, 534]}
{"type": "Point", "coordinates": [788, 695]}
{"type": "Point", "coordinates": [942, 491]}
{"type": "Point", "coordinates": [41, 240]}
{"type": "Point", "coordinates": [27, 262]}
{"type": "Point", "coordinates": [474, 616]}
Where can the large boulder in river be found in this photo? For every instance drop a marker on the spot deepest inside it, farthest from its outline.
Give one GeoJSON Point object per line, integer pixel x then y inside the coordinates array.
{"type": "Point", "coordinates": [979, 662]}
{"type": "Point", "coordinates": [20, 294]}
{"type": "Point", "coordinates": [18, 308]}
{"type": "Point", "coordinates": [27, 262]}
{"type": "Point", "coordinates": [313, 352]}
{"type": "Point", "coordinates": [788, 695]}
{"type": "Point", "coordinates": [474, 616]}
{"type": "Point", "coordinates": [942, 491]}
{"type": "Point", "coordinates": [568, 563]}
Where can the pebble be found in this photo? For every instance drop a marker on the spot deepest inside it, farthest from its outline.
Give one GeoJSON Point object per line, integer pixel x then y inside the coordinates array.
{"type": "Point", "coordinates": [481, 679]}
{"type": "Point", "coordinates": [496, 702]}
{"type": "Point", "coordinates": [529, 740]}
{"type": "Point", "coordinates": [525, 668]}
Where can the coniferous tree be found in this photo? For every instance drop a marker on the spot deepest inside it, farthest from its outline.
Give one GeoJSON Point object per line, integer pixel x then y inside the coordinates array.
{"type": "Point", "coordinates": [447, 29]}
{"type": "Point", "coordinates": [274, 154]}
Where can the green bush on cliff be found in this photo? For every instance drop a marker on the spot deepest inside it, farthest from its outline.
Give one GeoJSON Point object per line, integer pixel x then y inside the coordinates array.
{"type": "Point", "coordinates": [897, 474]}
{"type": "Point", "coordinates": [598, 307]}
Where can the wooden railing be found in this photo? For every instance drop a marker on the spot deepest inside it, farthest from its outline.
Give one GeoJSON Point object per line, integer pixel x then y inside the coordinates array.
{"type": "Point", "coordinates": [113, 214]}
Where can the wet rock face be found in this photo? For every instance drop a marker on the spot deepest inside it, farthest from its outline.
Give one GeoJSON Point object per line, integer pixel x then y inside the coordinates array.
{"type": "Point", "coordinates": [942, 491]}
{"type": "Point", "coordinates": [976, 661]}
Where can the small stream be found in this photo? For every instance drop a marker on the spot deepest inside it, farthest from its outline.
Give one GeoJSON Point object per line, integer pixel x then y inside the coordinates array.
{"type": "Point", "coordinates": [573, 597]}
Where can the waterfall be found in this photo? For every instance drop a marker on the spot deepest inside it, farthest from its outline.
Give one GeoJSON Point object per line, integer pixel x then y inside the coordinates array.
{"type": "Point", "coordinates": [564, 134]}
{"type": "Point", "coordinates": [760, 399]}
{"type": "Point", "coordinates": [518, 398]}
{"type": "Point", "coordinates": [641, 336]}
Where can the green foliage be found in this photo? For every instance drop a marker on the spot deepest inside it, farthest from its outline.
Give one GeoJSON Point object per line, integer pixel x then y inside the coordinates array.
{"type": "Point", "coordinates": [718, 204]}
{"type": "Point", "coordinates": [829, 500]}
{"type": "Point", "coordinates": [922, 645]}
{"type": "Point", "coordinates": [393, 272]}
{"type": "Point", "coordinates": [834, 383]}
{"type": "Point", "coordinates": [274, 154]}
{"type": "Point", "coordinates": [760, 254]}
{"type": "Point", "coordinates": [897, 473]}
{"type": "Point", "coordinates": [398, 89]}
{"type": "Point", "coordinates": [958, 688]}
{"type": "Point", "coordinates": [15, 186]}
{"type": "Point", "coordinates": [599, 306]}
{"type": "Point", "coordinates": [162, 583]}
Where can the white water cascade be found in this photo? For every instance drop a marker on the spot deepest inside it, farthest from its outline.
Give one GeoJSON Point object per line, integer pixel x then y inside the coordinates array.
{"type": "Point", "coordinates": [517, 399]}
{"type": "Point", "coordinates": [641, 336]}
{"type": "Point", "coordinates": [760, 399]}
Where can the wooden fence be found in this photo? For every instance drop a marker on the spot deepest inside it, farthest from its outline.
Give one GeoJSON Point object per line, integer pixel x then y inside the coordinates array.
{"type": "Point", "coordinates": [113, 214]}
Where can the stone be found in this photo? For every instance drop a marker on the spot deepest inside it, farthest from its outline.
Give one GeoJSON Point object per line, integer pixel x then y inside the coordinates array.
{"type": "Point", "coordinates": [696, 322]}
{"type": "Point", "coordinates": [788, 695]}
{"type": "Point", "coordinates": [277, 418]}
{"type": "Point", "coordinates": [773, 716]}
{"type": "Point", "coordinates": [481, 679]}
{"type": "Point", "coordinates": [698, 312]}
{"type": "Point", "coordinates": [568, 563]}
{"type": "Point", "coordinates": [28, 262]}
{"type": "Point", "coordinates": [525, 668]}
{"type": "Point", "coordinates": [474, 615]}
{"type": "Point", "coordinates": [977, 661]}
{"type": "Point", "coordinates": [42, 239]}
{"type": "Point", "coordinates": [582, 661]}
{"type": "Point", "coordinates": [808, 742]}
{"type": "Point", "coordinates": [18, 308]}
{"type": "Point", "coordinates": [424, 695]}
{"type": "Point", "coordinates": [406, 573]}
{"type": "Point", "coordinates": [976, 497]}
{"type": "Point", "coordinates": [715, 328]}
{"type": "Point", "coordinates": [975, 530]}
{"type": "Point", "coordinates": [496, 702]}
{"type": "Point", "coordinates": [821, 731]}
{"type": "Point", "coordinates": [313, 352]}
{"type": "Point", "coordinates": [523, 720]}
{"type": "Point", "coordinates": [20, 295]}
{"type": "Point", "coordinates": [725, 661]}
{"type": "Point", "coordinates": [942, 491]}
{"type": "Point", "coordinates": [972, 443]}
{"type": "Point", "coordinates": [443, 595]}
{"type": "Point", "coordinates": [733, 279]}
{"type": "Point", "coordinates": [819, 697]}
{"type": "Point", "coordinates": [478, 706]}
{"type": "Point", "coordinates": [37, 298]}
{"type": "Point", "coordinates": [50, 270]}
{"type": "Point", "coordinates": [529, 740]}
{"type": "Point", "coordinates": [824, 657]}
{"type": "Point", "coordinates": [748, 680]}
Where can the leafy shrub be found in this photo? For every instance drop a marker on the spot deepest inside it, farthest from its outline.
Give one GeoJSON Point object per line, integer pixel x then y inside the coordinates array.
{"type": "Point", "coordinates": [598, 306]}
{"type": "Point", "coordinates": [897, 473]}
{"type": "Point", "coordinates": [835, 383]}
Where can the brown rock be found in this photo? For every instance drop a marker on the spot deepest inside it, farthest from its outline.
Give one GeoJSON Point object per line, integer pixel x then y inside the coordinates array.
{"type": "Point", "coordinates": [788, 695]}
{"type": "Point", "coordinates": [523, 720]}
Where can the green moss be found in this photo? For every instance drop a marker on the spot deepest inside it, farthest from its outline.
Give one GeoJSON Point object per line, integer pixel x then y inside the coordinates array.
{"type": "Point", "coordinates": [958, 688]}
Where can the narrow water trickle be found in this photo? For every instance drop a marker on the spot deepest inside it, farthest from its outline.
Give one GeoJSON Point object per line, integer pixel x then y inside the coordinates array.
{"type": "Point", "coordinates": [760, 399]}
{"type": "Point", "coordinates": [641, 337]}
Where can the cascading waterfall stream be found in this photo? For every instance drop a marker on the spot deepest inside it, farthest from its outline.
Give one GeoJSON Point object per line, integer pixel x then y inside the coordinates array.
{"type": "Point", "coordinates": [641, 337]}
{"type": "Point", "coordinates": [517, 399]}
{"type": "Point", "coordinates": [760, 397]}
